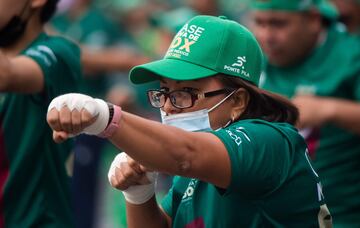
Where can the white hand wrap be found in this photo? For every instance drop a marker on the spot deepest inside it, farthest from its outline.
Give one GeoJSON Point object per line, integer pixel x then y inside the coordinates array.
{"type": "Point", "coordinates": [137, 194]}
{"type": "Point", "coordinates": [96, 107]}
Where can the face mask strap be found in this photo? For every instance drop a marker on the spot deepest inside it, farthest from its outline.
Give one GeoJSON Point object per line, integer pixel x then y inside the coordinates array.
{"type": "Point", "coordinates": [222, 101]}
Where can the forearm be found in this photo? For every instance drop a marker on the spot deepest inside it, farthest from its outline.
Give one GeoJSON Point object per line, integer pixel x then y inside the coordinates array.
{"type": "Point", "coordinates": [159, 147]}
{"type": "Point", "coordinates": [148, 214]}
{"type": "Point", "coordinates": [109, 60]}
{"type": "Point", "coordinates": [345, 114]}
{"type": "Point", "coordinates": [21, 74]}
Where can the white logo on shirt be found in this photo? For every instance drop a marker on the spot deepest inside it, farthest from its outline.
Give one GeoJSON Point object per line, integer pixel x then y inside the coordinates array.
{"type": "Point", "coordinates": [237, 139]}
{"type": "Point", "coordinates": [305, 90]}
{"type": "Point", "coordinates": [189, 192]}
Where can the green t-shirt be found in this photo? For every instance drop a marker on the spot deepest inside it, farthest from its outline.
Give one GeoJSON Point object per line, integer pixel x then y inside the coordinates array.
{"type": "Point", "coordinates": [96, 31]}
{"type": "Point", "coordinates": [272, 183]}
{"type": "Point", "coordinates": [332, 70]}
{"type": "Point", "coordinates": [34, 182]}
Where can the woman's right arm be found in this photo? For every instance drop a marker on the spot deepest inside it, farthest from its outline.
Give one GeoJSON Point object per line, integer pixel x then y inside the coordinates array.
{"type": "Point", "coordinates": [138, 186]}
{"type": "Point", "coordinates": [148, 214]}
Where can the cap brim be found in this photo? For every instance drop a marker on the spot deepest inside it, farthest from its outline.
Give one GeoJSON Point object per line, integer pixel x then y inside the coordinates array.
{"type": "Point", "coordinates": [169, 68]}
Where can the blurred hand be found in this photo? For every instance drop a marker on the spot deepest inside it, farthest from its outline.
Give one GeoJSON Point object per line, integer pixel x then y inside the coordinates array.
{"type": "Point", "coordinates": [314, 111]}
{"type": "Point", "coordinates": [121, 96]}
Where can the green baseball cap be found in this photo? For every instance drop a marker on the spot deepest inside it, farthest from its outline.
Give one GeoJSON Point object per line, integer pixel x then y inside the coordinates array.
{"type": "Point", "coordinates": [326, 8]}
{"type": "Point", "coordinates": [204, 47]}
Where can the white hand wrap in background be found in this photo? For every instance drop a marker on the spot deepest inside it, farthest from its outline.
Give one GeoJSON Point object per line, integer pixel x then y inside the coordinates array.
{"type": "Point", "coordinates": [96, 107]}
{"type": "Point", "coordinates": [137, 194]}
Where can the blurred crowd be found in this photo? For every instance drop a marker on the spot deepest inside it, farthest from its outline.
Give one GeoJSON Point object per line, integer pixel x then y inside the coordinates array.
{"type": "Point", "coordinates": [115, 35]}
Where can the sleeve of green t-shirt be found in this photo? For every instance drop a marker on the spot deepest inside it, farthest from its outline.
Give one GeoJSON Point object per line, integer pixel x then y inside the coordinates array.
{"type": "Point", "coordinates": [167, 201]}
{"type": "Point", "coordinates": [260, 158]}
{"type": "Point", "coordinates": [59, 60]}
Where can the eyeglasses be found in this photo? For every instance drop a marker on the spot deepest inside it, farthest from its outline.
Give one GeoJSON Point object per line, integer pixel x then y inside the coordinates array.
{"type": "Point", "coordinates": [180, 98]}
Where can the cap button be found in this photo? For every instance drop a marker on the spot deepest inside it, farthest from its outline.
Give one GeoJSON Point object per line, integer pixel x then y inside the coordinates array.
{"type": "Point", "coordinates": [223, 17]}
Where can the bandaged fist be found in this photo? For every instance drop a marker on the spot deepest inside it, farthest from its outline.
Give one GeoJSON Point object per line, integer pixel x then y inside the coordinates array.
{"type": "Point", "coordinates": [71, 114]}
{"type": "Point", "coordinates": [136, 183]}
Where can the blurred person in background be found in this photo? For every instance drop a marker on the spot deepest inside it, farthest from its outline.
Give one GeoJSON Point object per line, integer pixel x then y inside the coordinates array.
{"type": "Point", "coordinates": [100, 39]}
{"type": "Point", "coordinates": [34, 68]}
{"type": "Point", "coordinates": [168, 23]}
{"type": "Point", "coordinates": [349, 11]}
{"type": "Point", "coordinates": [317, 65]}
{"type": "Point", "coordinates": [205, 7]}
{"type": "Point", "coordinates": [240, 162]}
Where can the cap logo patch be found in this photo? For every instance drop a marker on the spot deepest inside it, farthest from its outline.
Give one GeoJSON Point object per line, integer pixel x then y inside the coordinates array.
{"type": "Point", "coordinates": [184, 39]}
{"type": "Point", "coordinates": [238, 66]}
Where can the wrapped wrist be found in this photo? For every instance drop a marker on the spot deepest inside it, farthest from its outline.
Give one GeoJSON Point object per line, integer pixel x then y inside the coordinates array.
{"type": "Point", "coordinates": [139, 194]}
{"type": "Point", "coordinates": [136, 194]}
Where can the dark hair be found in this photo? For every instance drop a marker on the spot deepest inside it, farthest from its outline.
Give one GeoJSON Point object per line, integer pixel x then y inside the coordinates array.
{"type": "Point", "coordinates": [48, 10]}
{"type": "Point", "coordinates": [263, 104]}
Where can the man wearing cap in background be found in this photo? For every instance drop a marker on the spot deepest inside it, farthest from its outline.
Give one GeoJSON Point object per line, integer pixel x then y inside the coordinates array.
{"type": "Point", "coordinates": [349, 11]}
{"type": "Point", "coordinates": [317, 65]}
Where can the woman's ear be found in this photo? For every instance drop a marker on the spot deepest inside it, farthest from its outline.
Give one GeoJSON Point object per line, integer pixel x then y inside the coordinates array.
{"type": "Point", "coordinates": [240, 102]}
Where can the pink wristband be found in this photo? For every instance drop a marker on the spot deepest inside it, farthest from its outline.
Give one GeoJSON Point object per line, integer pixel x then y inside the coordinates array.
{"type": "Point", "coordinates": [113, 125]}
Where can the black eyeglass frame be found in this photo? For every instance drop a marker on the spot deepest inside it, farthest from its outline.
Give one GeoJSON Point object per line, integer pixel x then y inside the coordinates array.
{"type": "Point", "coordinates": [194, 96]}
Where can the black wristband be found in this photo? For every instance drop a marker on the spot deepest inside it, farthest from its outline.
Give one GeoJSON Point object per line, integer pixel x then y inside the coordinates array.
{"type": "Point", "coordinates": [111, 113]}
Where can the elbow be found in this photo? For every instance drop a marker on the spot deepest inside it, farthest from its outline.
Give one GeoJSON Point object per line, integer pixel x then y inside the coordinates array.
{"type": "Point", "coordinates": [184, 167]}
{"type": "Point", "coordinates": [183, 158]}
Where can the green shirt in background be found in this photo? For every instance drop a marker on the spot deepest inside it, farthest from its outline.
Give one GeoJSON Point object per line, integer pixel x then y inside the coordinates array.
{"type": "Point", "coordinates": [36, 188]}
{"type": "Point", "coordinates": [332, 70]}
{"type": "Point", "coordinates": [272, 183]}
{"type": "Point", "coordinates": [94, 30]}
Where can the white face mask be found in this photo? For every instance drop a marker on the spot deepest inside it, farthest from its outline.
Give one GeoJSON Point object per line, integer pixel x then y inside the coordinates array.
{"type": "Point", "coordinates": [192, 121]}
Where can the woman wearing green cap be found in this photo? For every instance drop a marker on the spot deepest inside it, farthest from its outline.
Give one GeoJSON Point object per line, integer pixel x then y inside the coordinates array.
{"type": "Point", "coordinates": [237, 159]}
